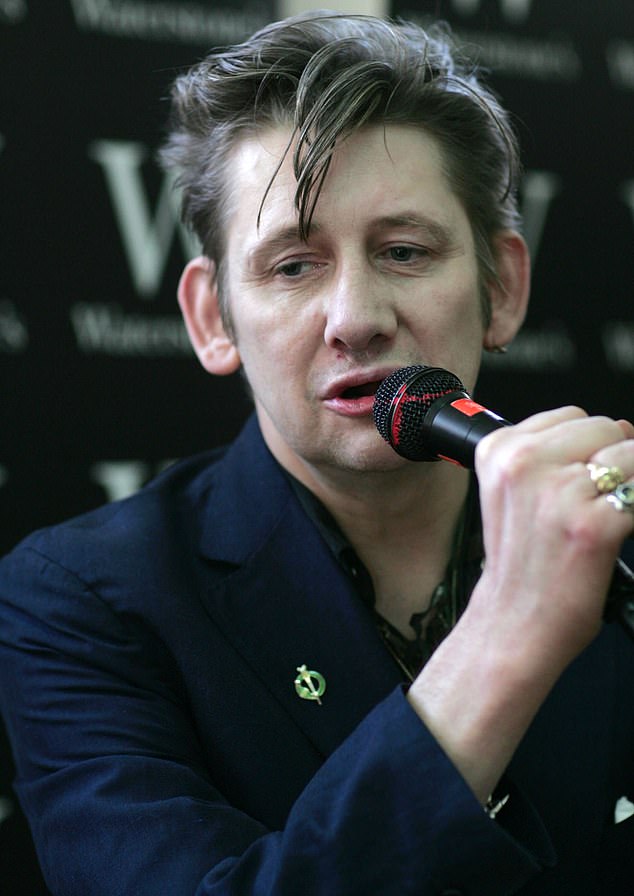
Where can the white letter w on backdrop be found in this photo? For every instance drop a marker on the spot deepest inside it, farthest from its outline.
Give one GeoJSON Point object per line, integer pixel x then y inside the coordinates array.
{"type": "Point", "coordinates": [515, 11]}
{"type": "Point", "coordinates": [146, 238]}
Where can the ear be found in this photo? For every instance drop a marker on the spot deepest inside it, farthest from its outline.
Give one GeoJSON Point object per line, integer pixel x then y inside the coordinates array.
{"type": "Point", "coordinates": [509, 294]}
{"type": "Point", "coordinates": [198, 300]}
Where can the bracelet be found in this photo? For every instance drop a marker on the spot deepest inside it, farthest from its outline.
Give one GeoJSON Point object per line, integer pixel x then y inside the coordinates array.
{"type": "Point", "coordinates": [493, 805]}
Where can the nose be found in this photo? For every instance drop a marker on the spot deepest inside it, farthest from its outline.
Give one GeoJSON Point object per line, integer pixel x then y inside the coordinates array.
{"type": "Point", "coordinates": [360, 314]}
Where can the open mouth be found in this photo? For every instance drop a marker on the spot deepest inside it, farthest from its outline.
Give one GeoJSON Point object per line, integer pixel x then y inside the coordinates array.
{"type": "Point", "coordinates": [362, 390]}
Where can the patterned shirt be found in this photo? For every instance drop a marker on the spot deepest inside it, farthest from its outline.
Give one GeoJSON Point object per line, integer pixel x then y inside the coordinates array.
{"type": "Point", "coordinates": [448, 600]}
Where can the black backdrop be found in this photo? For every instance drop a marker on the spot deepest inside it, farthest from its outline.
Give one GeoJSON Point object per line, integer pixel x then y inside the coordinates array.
{"type": "Point", "coordinates": [98, 387]}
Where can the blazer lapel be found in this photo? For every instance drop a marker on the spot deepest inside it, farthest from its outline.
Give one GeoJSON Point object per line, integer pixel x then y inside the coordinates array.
{"type": "Point", "coordinates": [288, 604]}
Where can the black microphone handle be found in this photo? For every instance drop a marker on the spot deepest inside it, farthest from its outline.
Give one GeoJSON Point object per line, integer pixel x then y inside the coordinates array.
{"type": "Point", "coordinates": [453, 426]}
{"type": "Point", "coordinates": [619, 604]}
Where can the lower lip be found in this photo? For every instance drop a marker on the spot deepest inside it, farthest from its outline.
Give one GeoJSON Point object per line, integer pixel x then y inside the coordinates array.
{"type": "Point", "coordinates": [352, 407]}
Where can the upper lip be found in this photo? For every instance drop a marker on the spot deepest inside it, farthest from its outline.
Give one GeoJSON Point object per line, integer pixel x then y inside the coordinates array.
{"type": "Point", "coordinates": [354, 380]}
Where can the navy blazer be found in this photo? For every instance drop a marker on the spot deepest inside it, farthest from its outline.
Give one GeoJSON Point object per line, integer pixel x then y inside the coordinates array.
{"type": "Point", "coordinates": [148, 652]}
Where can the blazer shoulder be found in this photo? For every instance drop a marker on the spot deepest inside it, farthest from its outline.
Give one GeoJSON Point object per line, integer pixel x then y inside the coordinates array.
{"type": "Point", "coordinates": [219, 503]}
{"type": "Point", "coordinates": [134, 527]}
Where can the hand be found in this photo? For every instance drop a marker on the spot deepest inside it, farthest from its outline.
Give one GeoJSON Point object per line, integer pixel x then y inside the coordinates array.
{"type": "Point", "coordinates": [551, 540]}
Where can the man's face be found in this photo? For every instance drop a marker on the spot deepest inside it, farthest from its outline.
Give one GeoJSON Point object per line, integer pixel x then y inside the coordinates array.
{"type": "Point", "coordinates": [387, 278]}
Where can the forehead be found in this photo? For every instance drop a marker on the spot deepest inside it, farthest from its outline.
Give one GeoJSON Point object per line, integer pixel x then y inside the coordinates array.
{"type": "Point", "coordinates": [377, 172]}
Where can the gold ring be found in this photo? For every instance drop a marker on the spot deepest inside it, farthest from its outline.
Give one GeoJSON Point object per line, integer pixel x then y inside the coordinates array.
{"type": "Point", "coordinates": [622, 497]}
{"type": "Point", "coordinates": [606, 479]}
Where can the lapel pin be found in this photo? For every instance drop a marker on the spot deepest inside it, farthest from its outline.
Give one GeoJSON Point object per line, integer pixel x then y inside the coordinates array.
{"type": "Point", "coordinates": [310, 685]}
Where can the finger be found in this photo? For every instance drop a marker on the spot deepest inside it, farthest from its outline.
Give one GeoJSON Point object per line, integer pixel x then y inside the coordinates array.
{"type": "Point", "coordinates": [545, 419]}
{"type": "Point", "coordinates": [564, 437]}
{"type": "Point", "coordinates": [627, 428]}
{"type": "Point", "coordinates": [536, 423]}
{"type": "Point", "coordinates": [619, 455]}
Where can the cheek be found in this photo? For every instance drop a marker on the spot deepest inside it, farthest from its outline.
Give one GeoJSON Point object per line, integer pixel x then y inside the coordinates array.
{"type": "Point", "coordinates": [454, 311]}
{"type": "Point", "coordinates": [454, 329]}
{"type": "Point", "coordinates": [467, 289]}
{"type": "Point", "coordinates": [272, 328]}
{"type": "Point", "coordinates": [272, 348]}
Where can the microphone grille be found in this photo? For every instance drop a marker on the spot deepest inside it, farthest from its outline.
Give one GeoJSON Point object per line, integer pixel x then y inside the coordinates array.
{"type": "Point", "coordinates": [411, 390]}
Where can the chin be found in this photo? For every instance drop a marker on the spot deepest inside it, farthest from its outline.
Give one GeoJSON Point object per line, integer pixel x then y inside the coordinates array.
{"type": "Point", "coordinates": [377, 457]}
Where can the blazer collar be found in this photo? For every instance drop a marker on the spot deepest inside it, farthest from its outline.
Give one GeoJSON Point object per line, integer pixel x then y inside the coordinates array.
{"type": "Point", "coordinates": [287, 603]}
{"type": "Point", "coordinates": [248, 496]}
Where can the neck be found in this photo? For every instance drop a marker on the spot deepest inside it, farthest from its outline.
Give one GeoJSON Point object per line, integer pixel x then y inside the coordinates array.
{"type": "Point", "coordinates": [401, 524]}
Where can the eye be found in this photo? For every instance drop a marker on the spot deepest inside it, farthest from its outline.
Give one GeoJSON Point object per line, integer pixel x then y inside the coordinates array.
{"type": "Point", "coordinates": [294, 268]}
{"type": "Point", "coordinates": [406, 253]}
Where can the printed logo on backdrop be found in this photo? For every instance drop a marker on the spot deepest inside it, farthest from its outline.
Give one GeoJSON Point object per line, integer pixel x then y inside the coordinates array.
{"type": "Point", "coordinates": [120, 478]}
{"type": "Point", "coordinates": [12, 11]}
{"type": "Point", "coordinates": [14, 334]}
{"type": "Point", "coordinates": [193, 23]}
{"type": "Point", "coordinates": [618, 345]}
{"type": "Point", "coordinates": [548, 348]}
{"type": "Point", "coordinates": [620, 62]}
{"type": "Point", "coordinates": [6, 808]}
{"type": "Point", "coordinates": [514, 11]}
{"type": "Point", "coordinates": [147, 234]}
{"type": "Point", "coordinates": [511, 54]}
{"type": "Point", "coordinates": [551, 346]}
{"type": "Point", "coordinates": [617, 336]}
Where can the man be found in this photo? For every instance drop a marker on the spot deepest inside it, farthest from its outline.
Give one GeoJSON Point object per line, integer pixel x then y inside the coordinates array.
{"type": "Point", "coordinates": [300, 665]}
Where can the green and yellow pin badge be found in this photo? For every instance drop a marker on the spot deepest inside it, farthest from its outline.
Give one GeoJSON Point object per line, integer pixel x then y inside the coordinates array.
{"type": "Point", "coordinates": [310, 685]}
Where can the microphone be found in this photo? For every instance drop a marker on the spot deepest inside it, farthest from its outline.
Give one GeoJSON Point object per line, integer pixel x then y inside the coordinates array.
{"type": "Point", "coordinates": [426, 414]}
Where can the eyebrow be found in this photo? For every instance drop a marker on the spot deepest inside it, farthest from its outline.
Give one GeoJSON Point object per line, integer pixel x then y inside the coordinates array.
{"type": "Point", "coordinates": [441, 233]}
{"type": "Point", "coordinates": [277, 241]}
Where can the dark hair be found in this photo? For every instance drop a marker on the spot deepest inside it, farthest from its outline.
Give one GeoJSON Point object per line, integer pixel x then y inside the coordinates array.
{"type": "Point", "coordinates": [325, 75]}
